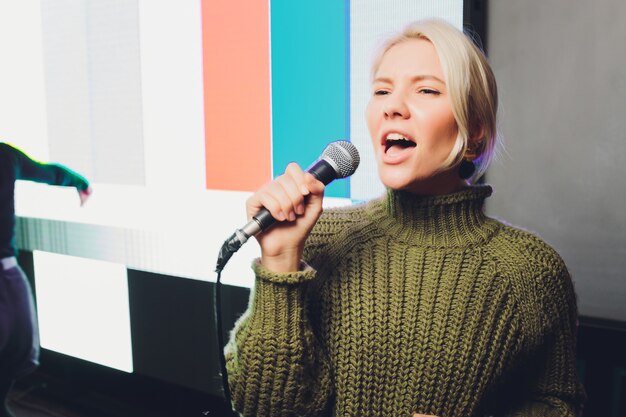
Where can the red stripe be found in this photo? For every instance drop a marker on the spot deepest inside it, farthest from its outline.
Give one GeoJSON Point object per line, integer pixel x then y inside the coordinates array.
{"type": "Point", "coordinates": [236, 94]}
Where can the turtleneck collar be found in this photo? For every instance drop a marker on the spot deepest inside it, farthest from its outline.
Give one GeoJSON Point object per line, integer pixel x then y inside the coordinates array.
{"type": "Point", "coordinates": [452, 220]}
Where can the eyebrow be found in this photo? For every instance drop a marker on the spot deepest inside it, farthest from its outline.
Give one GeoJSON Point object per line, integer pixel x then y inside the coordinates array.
{"type": "Point", "coordinates": [413, 79]}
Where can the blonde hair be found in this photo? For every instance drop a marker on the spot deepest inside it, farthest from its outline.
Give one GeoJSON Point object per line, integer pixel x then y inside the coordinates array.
{"type": "Point", "coordinates": [471, 86]}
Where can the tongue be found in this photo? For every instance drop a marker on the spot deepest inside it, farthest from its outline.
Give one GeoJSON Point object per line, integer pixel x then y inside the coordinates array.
{"type": "Point", "coordinates": [396, 149]}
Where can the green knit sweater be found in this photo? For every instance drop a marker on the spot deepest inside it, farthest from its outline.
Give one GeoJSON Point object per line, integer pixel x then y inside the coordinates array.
{"type": "Point", "coordinates": [411, 304]}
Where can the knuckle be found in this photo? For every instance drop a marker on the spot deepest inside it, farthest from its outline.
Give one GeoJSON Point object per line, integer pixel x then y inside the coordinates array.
{"type": "Point", "coordinates": [293, 169]}
{"type": "Point", "coordinates": [251, 200]}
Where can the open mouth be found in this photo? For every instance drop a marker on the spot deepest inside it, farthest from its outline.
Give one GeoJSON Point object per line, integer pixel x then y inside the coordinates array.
{"type": "Point", "coordinates": [398, 140]}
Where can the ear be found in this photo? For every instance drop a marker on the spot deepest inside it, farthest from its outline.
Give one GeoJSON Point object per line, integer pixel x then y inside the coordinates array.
{"type": "Point", "coordinates": [475, 142]}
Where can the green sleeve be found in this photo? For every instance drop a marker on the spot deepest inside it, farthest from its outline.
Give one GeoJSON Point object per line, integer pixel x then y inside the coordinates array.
{"type": "Point", "coordinates": [53, 174]}
{"type": "Point", "coordinates": [275, 364]}
{"type": "Point", "coordinates": [554, 388]}
{"type": "Point", "coordinates": [556, 392]}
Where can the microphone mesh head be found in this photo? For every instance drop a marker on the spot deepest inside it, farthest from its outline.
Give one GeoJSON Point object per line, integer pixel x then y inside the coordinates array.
{"type": "Point", "coordinates": [344, 156]}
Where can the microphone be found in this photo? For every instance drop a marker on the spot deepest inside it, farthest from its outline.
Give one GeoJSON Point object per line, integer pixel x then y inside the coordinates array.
{"type": "Point", "coordinates": [340, 159]}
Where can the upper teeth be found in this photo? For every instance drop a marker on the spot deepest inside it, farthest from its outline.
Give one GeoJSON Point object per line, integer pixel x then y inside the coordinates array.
{"type": "Point", "coordinates": [395, 136]}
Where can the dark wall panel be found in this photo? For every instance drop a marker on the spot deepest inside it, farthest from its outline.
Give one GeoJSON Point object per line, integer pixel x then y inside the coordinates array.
{"type": "Point", "coordinates": [173, 331]}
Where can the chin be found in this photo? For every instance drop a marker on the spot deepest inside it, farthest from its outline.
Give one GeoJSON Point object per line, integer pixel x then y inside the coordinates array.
{"type": "Point", "coordinates": [398, 182]}
{"type": "Point", "coordinates": [442, 183]}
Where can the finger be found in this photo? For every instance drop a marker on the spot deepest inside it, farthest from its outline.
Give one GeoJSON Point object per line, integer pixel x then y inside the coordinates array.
{"type": "Point", "coordinates": [295, 172]}
{"type": "Point", "coordinates": [316, 189]}
{"type": "Point", "coordinates": [267, 200]}
{"type": "Point", "coordinates": [314, 185]}
{"type": "Point", "coordinates": [300, 178]}
{"type": "Point", "coordinates": [291, 183]}
{"type": "Point", "coordinates": [282, 196]}
{"type": "Point", "coordinates": [294, 169]}
{"type": "Point", "coordinates": [314, 200]}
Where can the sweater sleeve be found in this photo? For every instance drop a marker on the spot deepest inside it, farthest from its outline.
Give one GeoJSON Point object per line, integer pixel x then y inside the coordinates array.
{"type": "Point", "coordinates": [275, 365]}
{"type": "Point", "coordinates": [552, 381]}
{"type": "Point", "coordinates": [53, 174]}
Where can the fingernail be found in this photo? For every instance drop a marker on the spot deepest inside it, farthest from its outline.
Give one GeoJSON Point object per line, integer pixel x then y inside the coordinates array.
{"type": "Point", "coordinates": [292, 216]}
{"type": "Point", "coordinates": [281, 216]}
{"type": "Point", "coordinates": [300, 209]}
{"type": "Point", "coordinates": [305, 191]}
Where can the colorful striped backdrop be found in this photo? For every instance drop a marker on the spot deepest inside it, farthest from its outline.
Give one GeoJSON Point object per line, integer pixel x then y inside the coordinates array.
{"type": "Point", "coordinates": [282, 78]}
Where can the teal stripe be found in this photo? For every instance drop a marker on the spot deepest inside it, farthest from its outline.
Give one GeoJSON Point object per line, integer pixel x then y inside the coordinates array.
{"type": "Point", "coordinates": [310, 85]}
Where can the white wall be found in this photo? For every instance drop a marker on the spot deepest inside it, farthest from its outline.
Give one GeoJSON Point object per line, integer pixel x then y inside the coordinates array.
{"type": "Point", "coordinates": [561, 71]}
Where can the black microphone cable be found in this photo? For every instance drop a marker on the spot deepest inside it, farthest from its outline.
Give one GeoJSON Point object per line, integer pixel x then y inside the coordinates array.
{"type": "Point", "coordinates": [217, 311]}
{"type": "Point", "coordinates": [339, 160]}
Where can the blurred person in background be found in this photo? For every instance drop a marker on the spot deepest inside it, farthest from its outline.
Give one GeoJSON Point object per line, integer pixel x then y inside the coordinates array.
{"type": "Point", "coordinates": [19, 337]}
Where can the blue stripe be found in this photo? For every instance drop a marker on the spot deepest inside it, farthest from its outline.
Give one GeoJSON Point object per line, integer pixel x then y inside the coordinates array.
{"type": "Point", "coordinates": [310, 82]}
{"type": "Point", "coordinates": [347, 79]}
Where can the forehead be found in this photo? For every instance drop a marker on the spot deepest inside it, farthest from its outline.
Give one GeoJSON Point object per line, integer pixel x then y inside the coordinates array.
{"type": "Point", "coordinates": [409, 58]}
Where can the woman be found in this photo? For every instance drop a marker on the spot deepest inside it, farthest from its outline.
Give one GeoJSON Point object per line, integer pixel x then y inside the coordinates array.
{"type": "Point", "coordinates": [19, 336]}
{"type": "Point", "coordinates": [415, 303]}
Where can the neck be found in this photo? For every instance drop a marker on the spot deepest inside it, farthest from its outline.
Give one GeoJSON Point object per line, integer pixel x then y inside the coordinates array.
{"type": "Point", "coordinates": [452, 220]}
{"type": "Point", "coordinates": [445, 182]}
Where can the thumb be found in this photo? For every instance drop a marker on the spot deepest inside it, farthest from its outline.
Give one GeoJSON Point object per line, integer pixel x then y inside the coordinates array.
{"type": "Point", "coordinates": [316, 190]}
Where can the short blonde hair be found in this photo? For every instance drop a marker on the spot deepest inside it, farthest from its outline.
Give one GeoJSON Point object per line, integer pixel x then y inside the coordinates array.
{"type": "Point", "coordinates": [470, 83]}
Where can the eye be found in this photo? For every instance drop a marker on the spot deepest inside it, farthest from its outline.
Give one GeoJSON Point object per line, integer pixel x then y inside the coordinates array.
{"type": "Point", "coordinates": [429, 91]}
{"type": "Point", "coordinates": [380, 92]}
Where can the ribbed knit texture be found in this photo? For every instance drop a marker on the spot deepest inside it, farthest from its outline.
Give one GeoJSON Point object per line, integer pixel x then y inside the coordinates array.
{"type": "Point", "coordinates": [411, 304]}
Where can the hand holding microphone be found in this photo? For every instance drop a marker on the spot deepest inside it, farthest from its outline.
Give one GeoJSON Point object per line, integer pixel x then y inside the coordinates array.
{"type": "Point", "coordinates": [294, 200]}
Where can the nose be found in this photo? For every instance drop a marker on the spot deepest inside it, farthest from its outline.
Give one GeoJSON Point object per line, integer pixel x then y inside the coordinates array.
{"type": "Point", "coordinates": [395, 107]}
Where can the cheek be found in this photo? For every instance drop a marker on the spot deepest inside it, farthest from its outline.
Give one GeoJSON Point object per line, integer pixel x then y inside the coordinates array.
{"type": "Point", "coordinates": [453, 132]}
{"type": "Point", "coordinates": [444, 129]}
{"type": "Point", "coordinates": [370, 118]}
